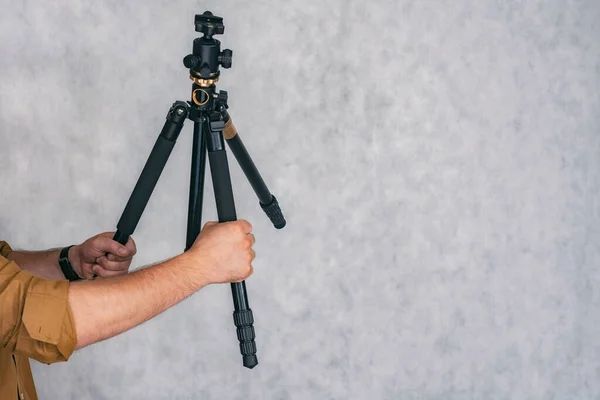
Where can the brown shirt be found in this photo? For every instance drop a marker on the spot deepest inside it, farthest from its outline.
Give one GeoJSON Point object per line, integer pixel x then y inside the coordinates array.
{"type": "Point", "coordinates": [35, 322]}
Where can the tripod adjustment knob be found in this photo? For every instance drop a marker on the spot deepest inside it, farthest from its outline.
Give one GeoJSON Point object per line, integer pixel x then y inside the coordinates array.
{"type": "Point", "coordinates": [190, 61]}
{"type": "Point", "coordinates": [226, 58]}
{"type": "Point", "coordinates": [222, 98]}
{"type": "Point", "coordinates": [205, 71]}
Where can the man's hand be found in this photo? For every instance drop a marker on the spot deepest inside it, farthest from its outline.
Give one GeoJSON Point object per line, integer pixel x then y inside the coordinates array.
{"type": "Point", "coordinates": [102, 256]}
{"type": "Point", "coordinates": [224, 251]}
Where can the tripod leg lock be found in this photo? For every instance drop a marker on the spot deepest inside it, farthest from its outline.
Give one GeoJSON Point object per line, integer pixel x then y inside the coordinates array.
{"type": "Point", "coordinates": [243, 321]}
{"type": "Point", "coordinates": [274, 213]}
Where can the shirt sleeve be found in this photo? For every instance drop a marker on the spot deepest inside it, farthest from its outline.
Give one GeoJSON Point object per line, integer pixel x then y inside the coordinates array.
{"type": "Point", "coordinates": [35, 317]}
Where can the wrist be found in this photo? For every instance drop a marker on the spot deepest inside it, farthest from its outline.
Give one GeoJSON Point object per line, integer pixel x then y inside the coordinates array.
{"type": "Point", "coordinates": [75, 260]}
{"type": "Point", "coordinates": [197, 267]}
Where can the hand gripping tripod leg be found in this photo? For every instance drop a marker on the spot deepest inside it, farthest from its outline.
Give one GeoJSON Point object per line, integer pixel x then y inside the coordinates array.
{"type": "Point", "coordinates": [213, 127]}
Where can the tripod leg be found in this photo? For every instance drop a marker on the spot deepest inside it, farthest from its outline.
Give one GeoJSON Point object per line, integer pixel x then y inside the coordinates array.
{"type": "Point", "coordinates": [196, 185]}
{"type": "Point", "coordinates": [268, 202]}
{"type": "Point", "coordinates": [242, 315]}
{"type": "Point", "coordinates": [151, 172]}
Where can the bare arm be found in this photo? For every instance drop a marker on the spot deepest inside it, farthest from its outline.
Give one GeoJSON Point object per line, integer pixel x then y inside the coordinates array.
{"type": "Point", "coordinates": [104, 308]}
{"type": "Point", "coordinates": [40, 263]}
{"type": "Point", "coordinates": [87, 258]}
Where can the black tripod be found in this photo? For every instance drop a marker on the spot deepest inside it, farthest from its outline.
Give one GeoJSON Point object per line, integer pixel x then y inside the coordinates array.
{"type": "Point", "coordinates": [212, 128]}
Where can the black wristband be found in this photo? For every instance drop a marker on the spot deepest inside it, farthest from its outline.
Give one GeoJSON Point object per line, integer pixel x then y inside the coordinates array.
{"type": "Point", "coordinates": [65, 265]}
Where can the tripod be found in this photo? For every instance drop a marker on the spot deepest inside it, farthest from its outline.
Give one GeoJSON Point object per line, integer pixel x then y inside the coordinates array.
{"type": "Point", "coordinates": [212, 128]}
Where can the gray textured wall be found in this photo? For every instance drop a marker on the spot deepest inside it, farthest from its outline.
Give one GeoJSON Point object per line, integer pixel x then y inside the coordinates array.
{"type": "Point", "coordinates": [438, 162]}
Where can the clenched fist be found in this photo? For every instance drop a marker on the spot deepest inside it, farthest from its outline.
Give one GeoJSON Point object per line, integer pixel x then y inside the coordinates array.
{"type": "Point", "coordinates": [102, 256]}
{"type": "Point", "coordinates": [224, 251]}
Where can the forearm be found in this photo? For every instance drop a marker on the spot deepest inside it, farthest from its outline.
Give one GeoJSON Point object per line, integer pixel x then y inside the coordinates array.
{"type": "Point", "coordinates": [40, 263]}
{"type": "Point", "coordinates": [104, 308]}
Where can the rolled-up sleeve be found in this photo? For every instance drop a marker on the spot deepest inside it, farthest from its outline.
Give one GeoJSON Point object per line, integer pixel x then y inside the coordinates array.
{"type": "Point", "coordinates": [35, 317]}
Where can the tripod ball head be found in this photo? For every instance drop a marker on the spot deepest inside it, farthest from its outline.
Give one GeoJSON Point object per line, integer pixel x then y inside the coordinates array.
{"type": "Point", "coordinates": [207, 56]}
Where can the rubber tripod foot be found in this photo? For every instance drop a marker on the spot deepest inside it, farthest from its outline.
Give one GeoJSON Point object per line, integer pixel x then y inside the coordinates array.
{"type": "Point", "coordinates": [274, 213]}
{"type": "Point", "coordinates": [250, 361]}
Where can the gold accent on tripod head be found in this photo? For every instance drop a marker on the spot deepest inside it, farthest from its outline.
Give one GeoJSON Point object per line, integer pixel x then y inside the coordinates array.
{"type": "Point", "coordinates": [204, 82]}
{"type": "Point", "coordinates": [199, 103]}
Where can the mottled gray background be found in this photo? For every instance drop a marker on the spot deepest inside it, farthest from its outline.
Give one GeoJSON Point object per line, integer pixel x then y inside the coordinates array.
{"type": "Point", "coordinates": [438, 163]}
